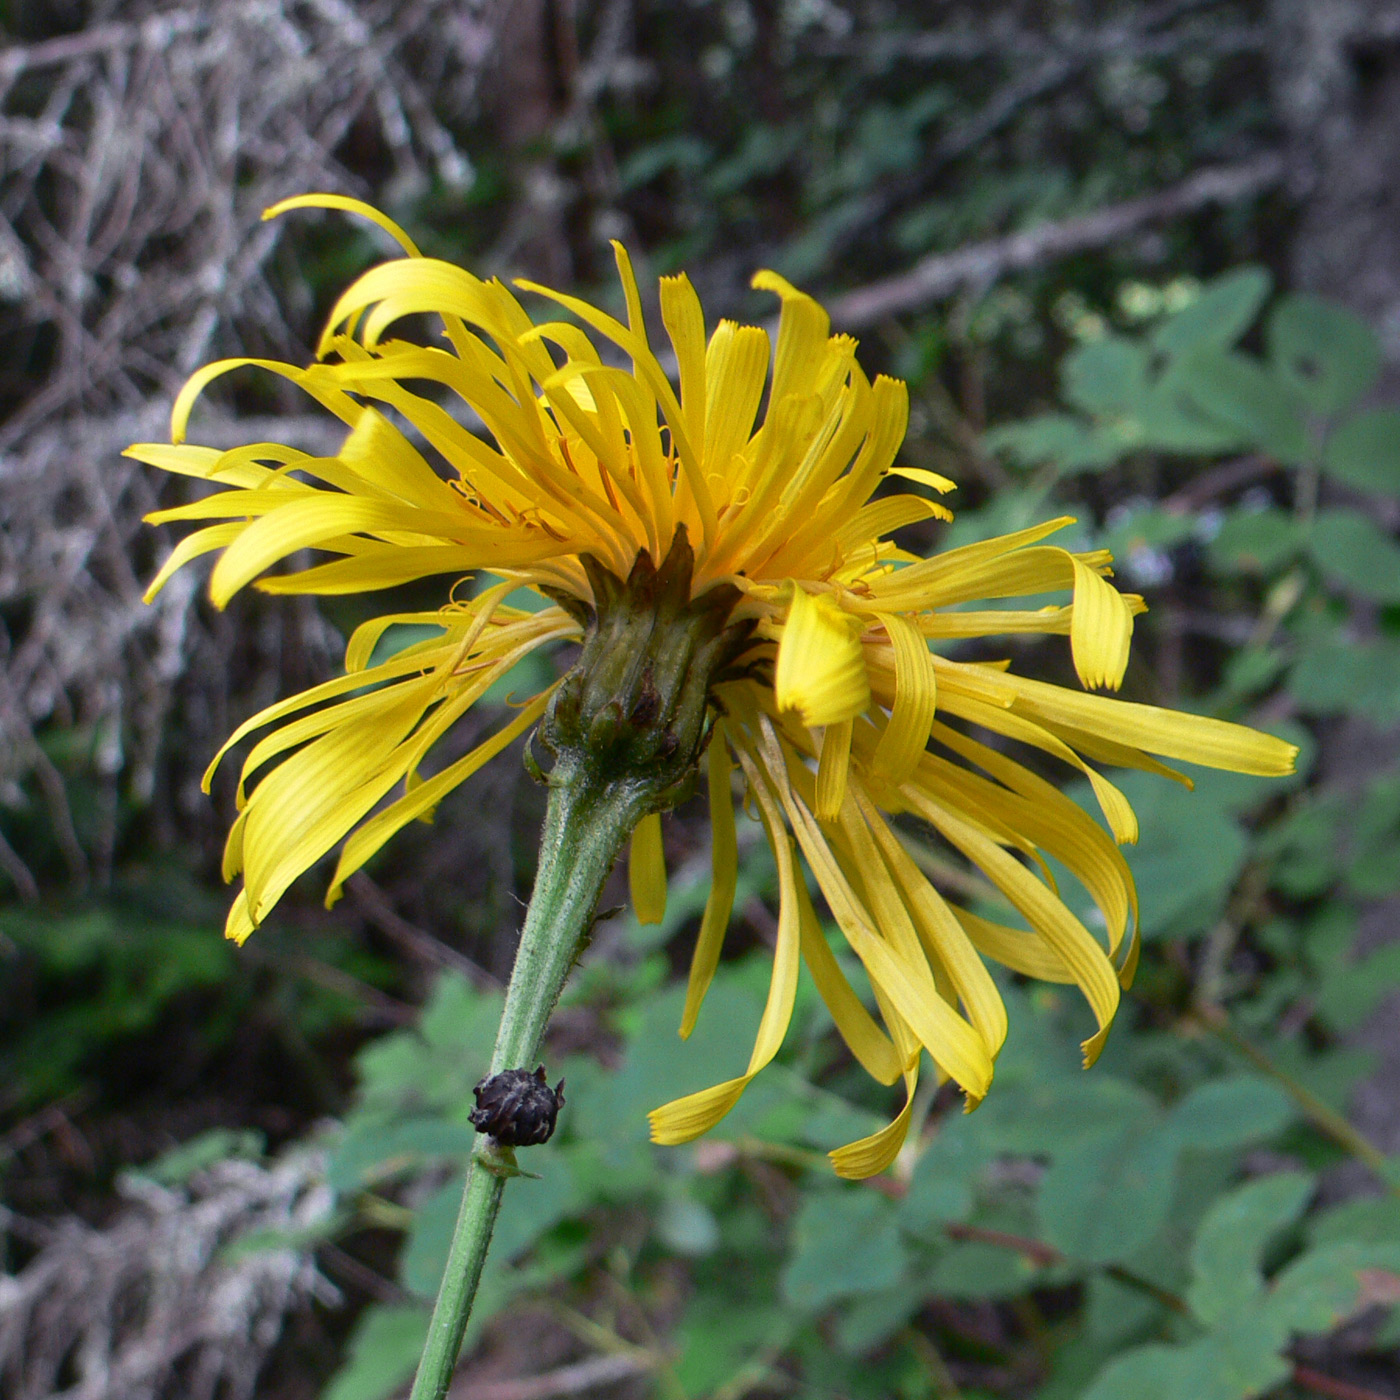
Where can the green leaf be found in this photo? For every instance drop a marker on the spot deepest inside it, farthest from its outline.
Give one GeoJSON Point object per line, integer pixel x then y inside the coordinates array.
{"type": "Point", "coordinates": [195, 1155]}
{"type": "Point", "coordinates": [1152, 1372]}
{"type": "Point", "coordinates": [844, 1242]}
{"type": "Point", "coordinates": [1326, 355]}
{"type": "Point", "coordinates": [1353, 551]}
{"type": "Point", "coordinates": [1170, 419]}
{"type": "Point", "coordinates": [1187, 858]}
{"type": "Point", "coordinates": [872, 1319]}
{"type": "Point", "coordinates": [1106, 1197]}
{"type": "Point", "coordinates": [1046, 1116]}
{"type": "Point", "coordinates": [1230, 1112]}
{"type": "Point", "coordinates": [1239, 390]}
{"type": "Point", "coordinates": [1373, 868]}
{"type": "Point", "coordinates": [1256, 541]}
{"type": "Point", "coordinates": [1364, 452]}
{"type": "Point", "coordinates": [384, 1351]}
{"type": "Point", "coordinates": [973, 1271]}
{"type": "Point", "coordinates": [1303, 848]}
{"type": "Point", "coordinates": [1067, 443]}
{"type": "Point", "coordinates": [1350, 993]}
{"type": "Point", "coordinates": [1337, 675]}
{"type": "Point", "coordinates": [687, 1226]}
{"type": "Point", "coordinates": [719, 1332]}
{"type": "Point", "coordinates": [1241, 1358]}
{"type": "Point", "coordinates": [372, 1150]}
{"type": "Point", "coordinates": [1105, 377]}
{"type": "Point", "coordinates": [529, 1208]}
{"type": "Point", "coordinates": [1225, 1256]}
{"type": "Point", "coordinates": [1375, 1219]}
{"type": "Point", "coordinates": [1322, 1289]}
{"type": "Point", "coordinates": [1219, 316]}
{"type": "Point", "coordinates": [943, 1182]}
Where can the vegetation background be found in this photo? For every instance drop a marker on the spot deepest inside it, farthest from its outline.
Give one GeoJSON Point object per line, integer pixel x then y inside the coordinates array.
{"type": "Point", "coordinates": [1138, 261]}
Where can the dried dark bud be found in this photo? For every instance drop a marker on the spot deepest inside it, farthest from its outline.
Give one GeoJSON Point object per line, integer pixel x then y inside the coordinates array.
{"type": "Point", "coordinates": [517, 1108]}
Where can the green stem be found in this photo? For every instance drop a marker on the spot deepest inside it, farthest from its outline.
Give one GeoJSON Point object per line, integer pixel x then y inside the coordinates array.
{"type": "Point", "coordinates": [587, 820]}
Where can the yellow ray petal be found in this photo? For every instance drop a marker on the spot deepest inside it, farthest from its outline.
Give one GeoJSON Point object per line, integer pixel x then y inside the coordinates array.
{"type": "Point", "coordinates": [646, 870]}
{"type": "Point", "coordinates": [349, 206]}
{"type": "Point", "coordinates": [375, 832]}
{"type": "Point", "coordinates": [1100, 631]}
{"type": "Point", "coordinates": [688, 1117]}
{"type": "Point", "coordinates": [832, 768]}
{"type": "Point", "coordinates": [942, 935]}
{"type": "Point", "coordinates": [865, 1040]}
{"type": "Point", "coordinates": [915, 701]}
{"type": "Point", "coordinates": [1071, 941]}
{"type": "Point", "coordinates": [191, 547]}
{"type": "Point", "coordinates": [1214, 743]}
{"type": "Point", "coordinates": [724, 874]}
{"type": "Point", "coordinates": [821, 668]}
{"type": "Point", "coordinates": [1022, 950]}
{"type": "Point", "coordinates": [907, 983]}
{"type": "Point", "coordinates": [871, 1155]}
{"type": "Point", "coordinates": [685, 324]}
{"type": "Point", "coordinates": [736, 367]}
{"type": "Point", "coordinates": [802, 331]}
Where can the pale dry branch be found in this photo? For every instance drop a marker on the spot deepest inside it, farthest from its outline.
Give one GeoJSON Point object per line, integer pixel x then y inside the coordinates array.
{"type": "Point", "coordinates": [136, 156]}
{"type": "Point", "coordinates": [982, 264]}
{"type": "Point", "coordinates": [184, 1294]}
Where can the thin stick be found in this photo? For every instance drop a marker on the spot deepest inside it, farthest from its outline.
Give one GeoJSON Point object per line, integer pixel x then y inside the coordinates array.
{"type": "Point", "coordinates": [980, 264]}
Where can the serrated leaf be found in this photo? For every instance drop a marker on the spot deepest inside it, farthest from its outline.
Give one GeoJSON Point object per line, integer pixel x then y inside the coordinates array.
{"type": "Point", "coordinates": [871, 1320]}
{"type": "Point", "coordinates": [1364, 452]}
{"type": "Point", "coordinates": [1354, 552]}
{"type": "Point", "coordinates": [1371, 1218]}
{"type": "Point", "coordinates": [1239, 390]}
{"type": "Point", "coordinates": [844, 1243]}
{"type": "Point", "coordinates": [1235, 1362]}
{"type": "Point", "coordinates": [1106, 1197]}
{"type": "Point", "coordinates": [1043, 1117]}
{"type": "Point", "coordinates": [718, 1333]}
{"type": "Point", "coordinates": [1219, 316]}
{"type": "Point", "coordinates": [1187, 857]}
{"type": "Point", "coordinates": [1373, 868]}
{"type": "Point", "coordinates": [1230, 1112]}
{"type": "Point", "coordinates": [1326, 355]}
{"type": "Point", "coordinates": [1225, 1255]}
{"type": "Point", "coordinates": [1240, 1359]}
{"type": "Point", "coordinates": [528, 1210]}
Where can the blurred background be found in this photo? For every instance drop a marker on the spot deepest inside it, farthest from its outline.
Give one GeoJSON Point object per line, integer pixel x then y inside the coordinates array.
{"type": "Point", "coordinates": [1139, 262]}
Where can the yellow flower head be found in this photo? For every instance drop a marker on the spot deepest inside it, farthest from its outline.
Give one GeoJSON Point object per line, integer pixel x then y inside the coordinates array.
{"type": "Point", "coordinates": [842, 711]}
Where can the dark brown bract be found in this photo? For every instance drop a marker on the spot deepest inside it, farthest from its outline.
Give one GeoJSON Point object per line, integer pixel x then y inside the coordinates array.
{"type": "Point", "coordinates": [517, 1108]}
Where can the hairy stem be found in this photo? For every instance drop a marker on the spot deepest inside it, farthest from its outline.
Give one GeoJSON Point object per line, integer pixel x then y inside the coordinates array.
{"type": "Point", "coordinates": [587, 820]}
